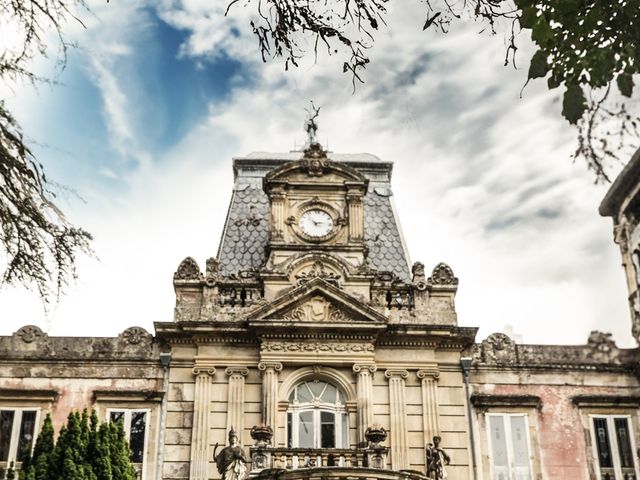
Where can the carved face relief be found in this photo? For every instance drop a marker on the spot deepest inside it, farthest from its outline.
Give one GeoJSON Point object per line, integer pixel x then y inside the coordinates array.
{"type": "Point", "coordinates": [316, 223]}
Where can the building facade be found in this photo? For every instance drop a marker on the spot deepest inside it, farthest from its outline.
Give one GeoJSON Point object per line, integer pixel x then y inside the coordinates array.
{"type": "Point", "coordinates": [312, 337]}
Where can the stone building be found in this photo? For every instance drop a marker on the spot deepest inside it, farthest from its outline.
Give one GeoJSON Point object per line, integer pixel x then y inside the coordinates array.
{"type": "Point", "coordinates": [312, 337]}
{"type": "Point", "coordinates": [622, 203]}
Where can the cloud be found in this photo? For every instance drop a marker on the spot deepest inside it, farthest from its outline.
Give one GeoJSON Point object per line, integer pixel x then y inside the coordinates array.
{"type": "Point", "coordinates": [482, 179]}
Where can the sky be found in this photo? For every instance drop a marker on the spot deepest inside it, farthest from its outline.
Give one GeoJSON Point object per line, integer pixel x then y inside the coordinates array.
{"type": "Point", "coordinates": [157, 98]}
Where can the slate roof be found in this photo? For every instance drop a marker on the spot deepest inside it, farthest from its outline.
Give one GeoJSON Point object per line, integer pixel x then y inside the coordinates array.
{"type": "Point", "coordinates": [246, 230]}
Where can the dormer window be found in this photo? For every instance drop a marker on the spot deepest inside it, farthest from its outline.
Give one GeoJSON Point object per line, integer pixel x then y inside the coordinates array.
{"type": "Point", "coordinates": [317, 417]}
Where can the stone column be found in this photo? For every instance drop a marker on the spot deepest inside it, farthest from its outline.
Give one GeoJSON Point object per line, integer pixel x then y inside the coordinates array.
{"type": "Point", "coordinates": [277, 214]}
{"type": "Point", "coordinates": [429, 379]}
{"type": "Point", "coordinates": [398, 419]}
{"type": "Point", "coordinates": [365, 396]}
{"type": "Point", "coordinates": [200, 428]}
{"type": "Point", "coordinates": [235, 399]}
{"type": "Point", "coordinates": [270, 392]}
{"type": "Point", "coordinates": [356, 216]}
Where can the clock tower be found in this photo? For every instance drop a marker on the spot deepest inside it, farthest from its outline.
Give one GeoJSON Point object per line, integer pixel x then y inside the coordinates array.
{"type": "Point", "coordinates": [316, 222]}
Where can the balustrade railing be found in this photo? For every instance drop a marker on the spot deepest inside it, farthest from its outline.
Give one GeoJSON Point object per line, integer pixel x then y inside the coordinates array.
{"type": "Point", "coordinates": [296, 458]}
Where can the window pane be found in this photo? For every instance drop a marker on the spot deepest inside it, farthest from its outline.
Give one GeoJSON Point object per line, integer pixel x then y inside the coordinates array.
{"type": "Point", "coordinates": [305, 430]}
{"type": "Point", "coordinates": [498, 441]}
{"type": "Point", "coordinates": [27, 429]}
{"type": "Point", "coordinates": [327, 430]}
{"type": "Point", "coordinates": [329, 394]}
{"type": "Point", "coordinates": [116, 417]}
{"type": "Point", "coordinates": [316, 388]}
{"type": "Point", "coordinates": [304, 395]}
{"type": "Point", "coordinates": [289, 430]}
{"type": "Point", "coordinates": [519, 439]}
{"type": "Point", "coordinates": [6, 424]}
{"type": "Point", "coordinates": [602, 442]}
{"type": "Point", "coordinates": [136, 438]}
{"type": "Point", "coordinates": [624, 442]}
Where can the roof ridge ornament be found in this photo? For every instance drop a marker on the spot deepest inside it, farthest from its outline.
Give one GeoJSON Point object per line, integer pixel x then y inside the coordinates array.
{"type": "Point", "coordinates": [315, 157]}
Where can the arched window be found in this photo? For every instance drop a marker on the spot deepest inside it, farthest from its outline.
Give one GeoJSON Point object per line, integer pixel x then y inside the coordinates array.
{"type": "Point", "coordinates": [316, 417]}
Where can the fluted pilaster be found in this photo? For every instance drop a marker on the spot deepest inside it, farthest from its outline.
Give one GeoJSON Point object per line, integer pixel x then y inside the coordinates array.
{"type": "Point", "coordinates": [429, 378]}
{"type": "Point", "coordinates": [235, 399]}
{"type": "Point", "coordinates": [270, 392]}
{"type": "Point", "coordinates": [364, 385]}
{"type": "Point", "coordinates": [398, 419]}
{"type": "Point", "coordinates": [200, 428]}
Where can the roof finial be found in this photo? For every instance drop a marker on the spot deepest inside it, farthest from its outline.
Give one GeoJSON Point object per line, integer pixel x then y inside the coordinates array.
{"type": "Point", "coordinates": [311, 126]}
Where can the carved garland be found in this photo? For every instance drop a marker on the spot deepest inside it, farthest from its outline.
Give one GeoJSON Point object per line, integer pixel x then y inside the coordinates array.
{"type": "Point", "coordinates": [303, 347]}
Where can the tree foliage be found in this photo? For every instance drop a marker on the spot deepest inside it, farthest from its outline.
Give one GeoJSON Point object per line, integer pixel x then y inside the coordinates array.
{"type": "Point", "coordinates": [38, 246]}
{"type": "Point", "coordinates": [589, 48]}
{"type": "Point", "coordinates": [85, 450]}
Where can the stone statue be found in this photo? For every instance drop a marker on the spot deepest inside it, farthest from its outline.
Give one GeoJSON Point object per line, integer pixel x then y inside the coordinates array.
{"type": "Point", "coordinates": [436, 459]}
{"type": "Point", "coordinates": [311, 126]}
{"type": "Point", "coordinates": [231, 462]}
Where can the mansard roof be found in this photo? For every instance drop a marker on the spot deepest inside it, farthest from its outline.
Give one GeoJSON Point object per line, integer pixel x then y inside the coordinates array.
{"type": "Point", "coordinates": [246, 230]}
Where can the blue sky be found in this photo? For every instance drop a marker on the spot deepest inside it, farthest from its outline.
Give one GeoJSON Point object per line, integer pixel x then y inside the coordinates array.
{"type": "Point", "coordinates": [159, 97]}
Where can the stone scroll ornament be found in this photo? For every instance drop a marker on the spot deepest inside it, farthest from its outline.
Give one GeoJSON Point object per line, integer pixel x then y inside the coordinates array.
{"type": "Point", "coordinates": [231, 461]}
{"type": "Point", "coordinates": [437, 458]}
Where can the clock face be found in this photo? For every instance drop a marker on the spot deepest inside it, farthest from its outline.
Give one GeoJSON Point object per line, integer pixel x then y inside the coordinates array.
{"type": "Point", "coordinates": [316, 223]}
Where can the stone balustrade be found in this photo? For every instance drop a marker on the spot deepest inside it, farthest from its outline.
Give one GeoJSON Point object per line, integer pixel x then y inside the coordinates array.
{"type": "Point", "coordinates": [264, 458]}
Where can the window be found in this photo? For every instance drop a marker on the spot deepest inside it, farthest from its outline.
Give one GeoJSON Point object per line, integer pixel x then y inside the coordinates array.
{"type": "Point", "coordinates": [509, 446]}
{"type": "Point", "coordinates": [613, 447]}
{"type": "Point", "coordinates": [136, 426]}
{"type": "Point", "coordinates": [316, 417]}
{"type": "Point", "coordinates": [17, 433]}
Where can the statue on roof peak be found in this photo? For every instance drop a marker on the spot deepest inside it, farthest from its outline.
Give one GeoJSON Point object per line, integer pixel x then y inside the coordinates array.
{"type": "Point", "coordinates": [311, 126]}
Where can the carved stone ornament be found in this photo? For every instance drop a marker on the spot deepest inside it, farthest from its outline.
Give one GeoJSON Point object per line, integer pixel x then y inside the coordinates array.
{"type": "Point", "coordinates": [262, 435]}
{"type": "Point", "coordinates": [317, 270]}
{"type": "Point", "coordinates": [188, 270]}
{"type": "Point", "coordinates": [499, 348]}
{"type": "Point", "coordinates": [316, 347]}
{"type": "Point", "coordinates": [376, 434]}
{"type": "Point", "coordinates": [418, 272]}
{"type": "Point", "coordinates": [442, 275]}
{"type": "Point", "coordinates": [316, 309]}
{"type": "Point", "coordinates": [212, 267]}
{"type": "Point", "coordinates": [135, 335]}
{"type": "Point", "coordinates": [601, 341]}
{"type": "Point", "coordinates": [314, 160]}
{"type": "Point", "coordinates": [29, 333]}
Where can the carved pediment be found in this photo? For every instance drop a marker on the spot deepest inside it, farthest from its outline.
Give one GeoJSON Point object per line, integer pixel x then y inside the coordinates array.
{"type": "Point", "coordinates": [317, 301]}
{"type": "Point", "coordinates": [316, 309]}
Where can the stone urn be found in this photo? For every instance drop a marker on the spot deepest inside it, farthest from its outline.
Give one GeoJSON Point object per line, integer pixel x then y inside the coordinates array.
{"type": "Point", "coordinates": [375, 435]}
{"type": "Point", "coordinates": [262, 435]}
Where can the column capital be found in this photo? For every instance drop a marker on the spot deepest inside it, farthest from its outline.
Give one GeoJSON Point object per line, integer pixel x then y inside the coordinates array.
{"type": "Point", "coordinates": [277, 366]}
{"type": "Point", "coordinates": [363, 367]}
{"type": "Point", "coordinates": [203, 371]}
{"type": "Point", "coordinates": [396, 372]}
{"type": "Point", "coordinates": [242, 371]}
{"type": "Point", "coordinates": [427, 373]}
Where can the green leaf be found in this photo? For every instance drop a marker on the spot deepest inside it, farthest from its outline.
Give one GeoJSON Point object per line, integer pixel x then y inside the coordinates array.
{"type": "Point", "coordinates": [574, 104]}
{"type": "Point", "coordinates": [568, 7]}
{"type": "Point", "coordinates": [541, 31]}
{"type": "Point", "coordinates": [528, 17]}
{"type": "Point", "coordinates": [554, 81]}
{"type": "Point", "coordinates": [625, 84]}
{"type": "Point", "coordinates": [539, 66]}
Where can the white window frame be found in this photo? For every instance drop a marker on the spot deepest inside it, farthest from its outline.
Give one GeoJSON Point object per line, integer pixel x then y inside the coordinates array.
{"type": "Point", "coordinates": [613, 442]}
{"type": "Point", "coordinates": [338, 410]}
{"type": "Point", "coordinates": [127, 430]}
{"type": "Point", "coordinates": [509, 442]}
{"type": "Point", "coordinates": [15, 431]}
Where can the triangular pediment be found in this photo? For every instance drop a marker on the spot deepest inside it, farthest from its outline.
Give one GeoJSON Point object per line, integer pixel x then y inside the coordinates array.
{"type": "Point", "coordinates": [318, 301]}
